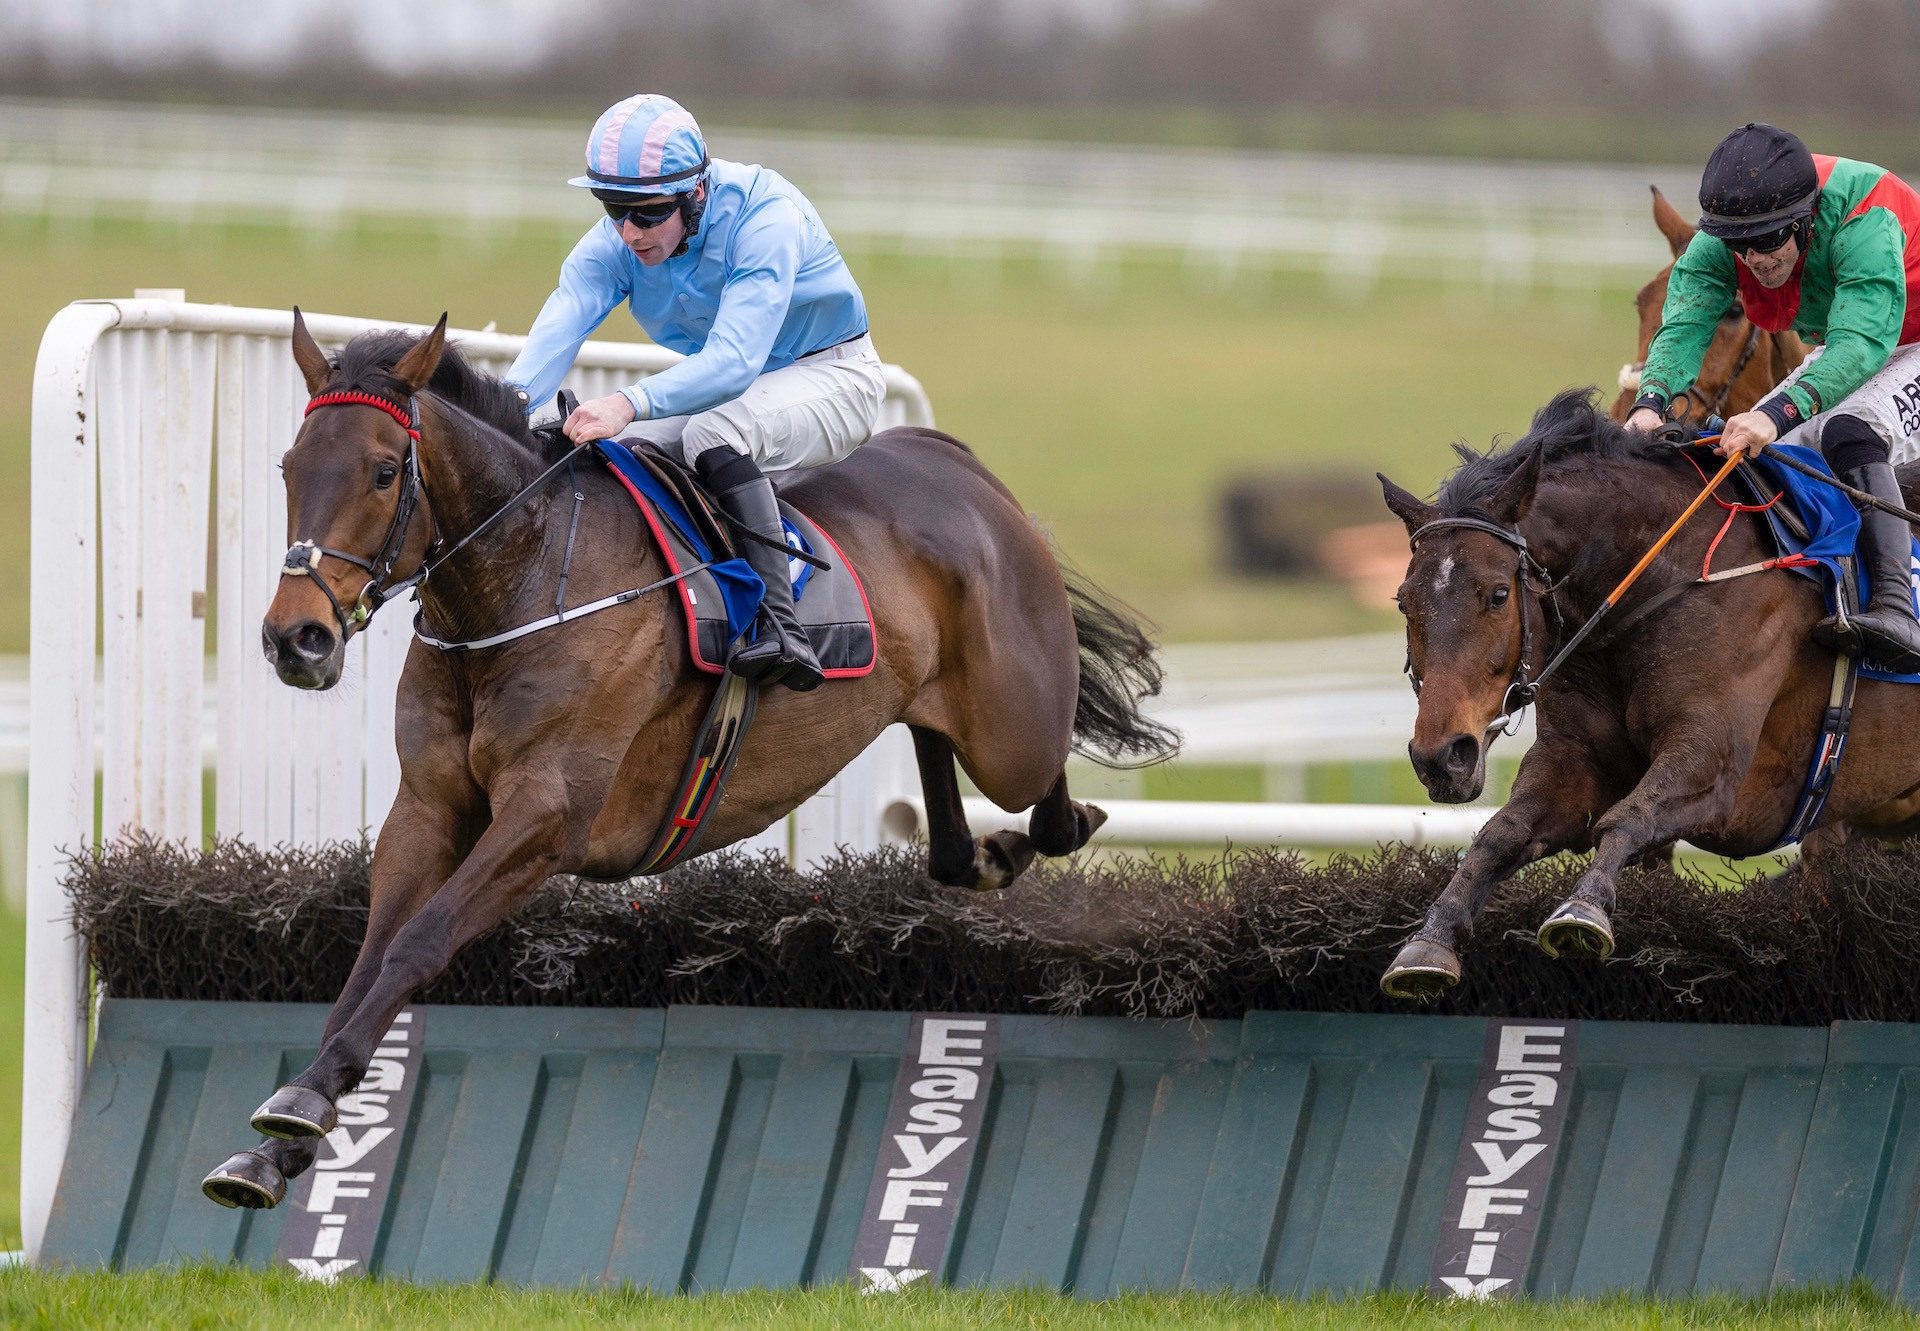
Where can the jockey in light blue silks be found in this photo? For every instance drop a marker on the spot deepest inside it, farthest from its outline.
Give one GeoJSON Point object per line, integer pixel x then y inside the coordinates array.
{"type": "Point", "coordinates": [731, 265]}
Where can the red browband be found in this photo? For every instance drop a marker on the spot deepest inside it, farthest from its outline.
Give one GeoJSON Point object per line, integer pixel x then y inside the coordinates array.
{"type": "Point", "coordinates": [344, 399]}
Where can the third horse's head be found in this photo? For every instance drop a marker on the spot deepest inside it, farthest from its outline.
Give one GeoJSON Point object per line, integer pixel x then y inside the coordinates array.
{"type": "Point", "coordinates": [1471, 626]}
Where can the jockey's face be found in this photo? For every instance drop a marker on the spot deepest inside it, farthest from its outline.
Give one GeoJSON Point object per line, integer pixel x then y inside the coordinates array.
{"type": "Point", "coordinates": [654, 244]}
{"type": "Point", "coordinates": [1774, 267]}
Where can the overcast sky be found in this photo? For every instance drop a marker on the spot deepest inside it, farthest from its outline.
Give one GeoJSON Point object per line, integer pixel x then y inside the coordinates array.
{"type": "Point", "coordinates": [496, 34]}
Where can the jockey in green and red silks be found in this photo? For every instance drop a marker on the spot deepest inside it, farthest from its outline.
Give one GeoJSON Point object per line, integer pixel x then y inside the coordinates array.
{"type": "Point", "coordinates": [1830, 248]}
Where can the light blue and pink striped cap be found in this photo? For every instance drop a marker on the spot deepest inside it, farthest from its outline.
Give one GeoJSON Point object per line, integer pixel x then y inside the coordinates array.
{"type": "Point", "coordinates": [647, 144]}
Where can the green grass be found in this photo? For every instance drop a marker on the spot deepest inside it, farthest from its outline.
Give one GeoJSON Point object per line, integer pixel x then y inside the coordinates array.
{"type": "Point", "coordinates": [1116, 409]}
{"type": "Point", "coordinates": [224, 1298]}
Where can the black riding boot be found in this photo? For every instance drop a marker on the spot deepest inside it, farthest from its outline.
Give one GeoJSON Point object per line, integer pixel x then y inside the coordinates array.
{"type": "Point", "coordinates": [1885, 633]}
{"type": "Point", "coordinates": [782, 654]}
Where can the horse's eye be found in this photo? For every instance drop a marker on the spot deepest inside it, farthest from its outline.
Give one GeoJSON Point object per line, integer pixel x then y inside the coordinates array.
{"type": "Point", "coordinates": [384, 477]}
{"type": "Point", "coordinates": [1497, 598]}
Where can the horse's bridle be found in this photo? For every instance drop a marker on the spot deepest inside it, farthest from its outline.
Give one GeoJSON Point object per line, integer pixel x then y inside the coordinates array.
{"type": "Point", "coordinates": [1529, 575]}
{"type": "Point", "coordinates": [1719, 404]}
{"type": "Point", "coordinates": [303, 557]}
{"type": "Point", "coordinates": [1630, 375]}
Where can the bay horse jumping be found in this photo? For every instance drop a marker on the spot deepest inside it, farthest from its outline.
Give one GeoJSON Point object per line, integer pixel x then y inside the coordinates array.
{"type": "Point", "coordinates": [1694, 720]}
{"type": "Point", "coordinates": [1743, 362]}
{"type": "Point", "coordinates": [559, 753]}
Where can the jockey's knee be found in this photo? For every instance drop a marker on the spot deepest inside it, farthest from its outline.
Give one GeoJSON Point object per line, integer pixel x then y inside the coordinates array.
{"type": "Point", "coordinates": [725, 426]}
{"type": "Point", "coordinates": [1849, 443]}
{"type": "Point", "coordinates": [721, 469]}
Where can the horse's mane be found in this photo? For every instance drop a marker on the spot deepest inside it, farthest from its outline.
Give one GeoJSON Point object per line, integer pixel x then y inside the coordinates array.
{"type": "Point", "coordinates": [1570, 426]}
{"type": "Point", "coordinates": [367, 362]}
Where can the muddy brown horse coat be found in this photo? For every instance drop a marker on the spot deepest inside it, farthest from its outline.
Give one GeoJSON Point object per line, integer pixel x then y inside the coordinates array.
{"type": "Point", "coordinates": [558, 753]}
{"type": "Point", "coordinates": [1695, 721]}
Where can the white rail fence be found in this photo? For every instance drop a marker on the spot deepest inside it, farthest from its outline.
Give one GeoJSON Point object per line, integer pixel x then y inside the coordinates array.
{"type": "Point", "coordinates": [1074, 205]}
{"type": "Point", "coordinates": [155, 424]}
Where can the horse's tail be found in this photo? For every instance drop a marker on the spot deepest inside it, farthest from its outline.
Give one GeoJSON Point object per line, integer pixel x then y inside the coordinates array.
{"type": "Point", "coordinates": [1117, 671]}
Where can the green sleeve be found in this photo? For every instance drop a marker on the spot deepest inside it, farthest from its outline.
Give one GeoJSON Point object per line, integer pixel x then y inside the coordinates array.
{"type": "Point", "coordinates": [1869, 305]}
{"type": "Point", "coordinates": [1699, 293]}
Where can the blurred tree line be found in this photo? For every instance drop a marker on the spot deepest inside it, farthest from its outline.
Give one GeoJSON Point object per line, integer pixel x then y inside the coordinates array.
{"type": "Point", "coordinates": [1595, 77]}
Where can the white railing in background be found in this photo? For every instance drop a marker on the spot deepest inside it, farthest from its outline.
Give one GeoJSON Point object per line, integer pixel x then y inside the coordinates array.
{"type": "Point", "coordinates": [152, 418]}
{"type": "Point", "coordinates": [1073, 205]}
{"type": "Point", "coordinates": [1223, 823]}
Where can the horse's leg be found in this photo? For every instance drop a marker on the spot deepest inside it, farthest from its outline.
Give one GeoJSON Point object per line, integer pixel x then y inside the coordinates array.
{"type": "Point", "coordinates": [954, 856]}
{"type": "Point", "coordinates": [1060, 825]}
{"type": "Point", "coordinates": [528, 841]}
{"type": "Point", "coordinates": [1691, 783]}
{"type": "Point", "coordinates": [1555, 792]}
{"type": "Point", "coordinates": [419, 848]}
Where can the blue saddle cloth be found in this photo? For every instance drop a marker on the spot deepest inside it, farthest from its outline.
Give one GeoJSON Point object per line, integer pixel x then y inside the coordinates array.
{"type": "Point", "coordinates": [1833, 533]}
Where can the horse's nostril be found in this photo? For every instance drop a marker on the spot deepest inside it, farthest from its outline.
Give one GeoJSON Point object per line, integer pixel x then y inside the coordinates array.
{"type": "Point", "coordinates": [312, 641]}
{"type": "Point", "coordinates": [1462, 756]}
{"type": "Point", "coordinates": [269, 646]}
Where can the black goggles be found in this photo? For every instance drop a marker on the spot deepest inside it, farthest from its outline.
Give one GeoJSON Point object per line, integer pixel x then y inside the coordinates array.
{"type": "Point", "coordinates": [642, 215]}
{"type": "Point", "coordinates": [1764, 244]}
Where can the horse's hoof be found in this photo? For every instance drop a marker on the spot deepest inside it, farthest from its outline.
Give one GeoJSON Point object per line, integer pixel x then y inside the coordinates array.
{"type": "Point", "coordinates": [1424, 970]}
{"type": "Point", "coordinates": [293, 1112]}
{"type": "Point", "coordinates": [1091, 818]}
{"type": "Point", "coordinates": [247, 1180]}
{"type": "Point", "coordinates": [1577, 929]}
{"type": "Point", "coordinates": [1001, 858]}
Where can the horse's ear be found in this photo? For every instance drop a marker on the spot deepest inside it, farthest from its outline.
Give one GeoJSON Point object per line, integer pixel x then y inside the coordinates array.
{"type": "Point", "coordinates": [1511, 501]}
{"type": "Point", "coordinates": [1407, 506]}
{"type": "Point", "coordinates": [308, 356]}
{"type": "Point", "coordinates": [1677, 229]}
{"type": "Point", "coordinates": [422, 358]}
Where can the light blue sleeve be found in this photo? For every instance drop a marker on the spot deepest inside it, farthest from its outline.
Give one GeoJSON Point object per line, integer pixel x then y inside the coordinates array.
{"type": "Point", "coordinates": [753, 307]}
{"type": "Point", "coordinates": [591, 285]}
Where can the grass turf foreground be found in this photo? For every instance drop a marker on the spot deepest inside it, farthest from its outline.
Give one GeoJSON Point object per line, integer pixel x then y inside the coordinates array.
{"type": "Point", "coordinates": [211, 1297]}
{"type": "Point", "coordinates": [1142, 938]}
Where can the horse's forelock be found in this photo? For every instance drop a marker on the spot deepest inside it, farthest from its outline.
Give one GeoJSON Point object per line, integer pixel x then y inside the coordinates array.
{"type": "Point", "coordinates": [366, 363]}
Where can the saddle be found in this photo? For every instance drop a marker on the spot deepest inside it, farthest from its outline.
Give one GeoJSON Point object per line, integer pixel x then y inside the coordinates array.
{"type": "Point", "coordinates": [720, 599]}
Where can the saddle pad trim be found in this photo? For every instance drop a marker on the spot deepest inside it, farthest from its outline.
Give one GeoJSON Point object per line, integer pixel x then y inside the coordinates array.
{"type": "Point", "coordinates": [866, 608]}
{"type": "Point", "coordinates": [665, 547]}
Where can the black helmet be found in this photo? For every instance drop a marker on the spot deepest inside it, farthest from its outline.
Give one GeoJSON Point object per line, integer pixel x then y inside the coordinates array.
{"type": "Point", "coordinates": [1759, 181]}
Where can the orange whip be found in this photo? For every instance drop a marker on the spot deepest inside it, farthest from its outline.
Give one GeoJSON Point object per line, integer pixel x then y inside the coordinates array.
{"type": "Point", "coordinates": [1530, 690]}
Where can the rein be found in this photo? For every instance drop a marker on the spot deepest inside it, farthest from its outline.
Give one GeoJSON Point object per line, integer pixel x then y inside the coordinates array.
{"type": "Point", "coordinates": [1719, 404]}
{"type": "Point", "coordinates": [303, 557]}
{"type": "Point", "coordinates": [1523, 688]}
